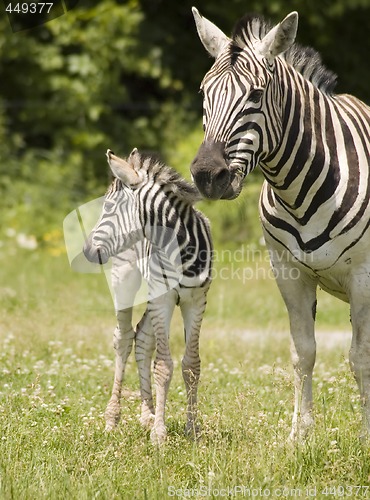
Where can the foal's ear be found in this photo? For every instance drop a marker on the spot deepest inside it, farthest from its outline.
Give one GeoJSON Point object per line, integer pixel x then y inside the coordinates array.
{"type": "Point", "coordinates": [133, 153]}
{"type": "Point", "coordinates": [135, 160]}
{"type": "Point", "coordinates": [213, 39]}
{"type": "Point", "coordinates": [122, 169]}
{"type": "Point", "coordinates": [280, 38]}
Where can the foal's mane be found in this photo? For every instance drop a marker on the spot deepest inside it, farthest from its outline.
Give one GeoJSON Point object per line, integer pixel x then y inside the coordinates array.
{"type": "Point", "coordinates": [167, 177]}
{"type": "Point", "coordinates": [171, 180]}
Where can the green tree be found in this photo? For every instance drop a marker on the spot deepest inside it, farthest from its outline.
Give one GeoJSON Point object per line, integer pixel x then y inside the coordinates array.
{"type": "Point", "coordinates": [121, 74]}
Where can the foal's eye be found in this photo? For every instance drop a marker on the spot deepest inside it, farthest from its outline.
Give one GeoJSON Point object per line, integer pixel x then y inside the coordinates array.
{"type": "Point", "coordinates": [255, 96]}
{"type": "Point", "coordinates": [108, 206]}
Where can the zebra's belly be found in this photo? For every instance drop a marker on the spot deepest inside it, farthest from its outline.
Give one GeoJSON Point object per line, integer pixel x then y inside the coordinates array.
{"type": "Point", "coordinates": [347, 281]}
{"type": "Point", "coordinates": [334, 287]}
{"type": "Point", "coordinates": [340, 267]}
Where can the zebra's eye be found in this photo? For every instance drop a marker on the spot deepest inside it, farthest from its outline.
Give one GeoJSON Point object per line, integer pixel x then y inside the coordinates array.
{"type": "Point", "coordinates": [240, 115]}
{"type": "Point", "coordinates": [255, 96]}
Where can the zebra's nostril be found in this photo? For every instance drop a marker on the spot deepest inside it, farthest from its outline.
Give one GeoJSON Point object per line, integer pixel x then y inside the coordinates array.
{"type": "Point", "coordinates": [223, 177]}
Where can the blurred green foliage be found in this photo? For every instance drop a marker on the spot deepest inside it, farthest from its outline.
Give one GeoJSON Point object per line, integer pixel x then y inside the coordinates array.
{"type": "Point", "coordinates": [121, 74]}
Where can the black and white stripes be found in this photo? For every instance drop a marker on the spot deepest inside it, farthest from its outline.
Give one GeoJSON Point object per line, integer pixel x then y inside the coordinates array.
{"type": "Point", "coordinates": [158, 217]}
{"type": "Point", "coordinates": [270, 103]}
{"type": "Point", "coordinates": [150, 228]}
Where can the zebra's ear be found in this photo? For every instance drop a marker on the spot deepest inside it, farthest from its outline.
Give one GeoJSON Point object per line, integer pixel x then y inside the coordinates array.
{"type": "Point", "coordinates": [122, 170]}
{"type": "Point", "coordinates": [213, 39]}
{"type": "Point", "coordinates": [280, 38]}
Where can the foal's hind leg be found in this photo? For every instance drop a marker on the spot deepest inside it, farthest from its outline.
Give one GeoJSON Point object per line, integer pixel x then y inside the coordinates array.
{"type": "Point", "coordinates": [160, 311]}
{"type": "Point", "coordinates": [144, 349]}
{"type": "Point", "coordinates": [192, 310]}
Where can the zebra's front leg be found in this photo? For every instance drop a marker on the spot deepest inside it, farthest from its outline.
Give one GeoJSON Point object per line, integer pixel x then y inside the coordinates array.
{"type": "Point", "coordinates": [192, 310]}
{"type": "Point", "coordinates": [144, 349]}
{"type": "Point", "coordinates": [359, 355]}
{"type": "Point", "coordinates": [299, 293]}
{"type": "Point", "coordinates": [160, 311]}
{"type": "Point", "coordinates": [123, 338]}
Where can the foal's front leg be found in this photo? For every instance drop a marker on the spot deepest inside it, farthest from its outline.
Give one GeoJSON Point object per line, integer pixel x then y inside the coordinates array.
{"type": "Point", "coordinates": [123, 338]}
{"type": "Point", "coordinates": [144, 349]}
{"type": "Point", "coordinates": [160, 311]}
{"type": "Point", "coordinates": [192, 310]}
{"type": "Point", "coordinates": [126, 280]}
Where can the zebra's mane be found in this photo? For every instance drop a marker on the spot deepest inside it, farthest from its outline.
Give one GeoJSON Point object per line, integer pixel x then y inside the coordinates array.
{"type": "Point", "coordinates": [306, 60]}
{"type": "Point", "coordinates": [165, 176]}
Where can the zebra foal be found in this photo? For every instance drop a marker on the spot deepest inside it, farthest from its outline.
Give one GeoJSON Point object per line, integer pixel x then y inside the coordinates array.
{"type": "Point", "coordinates": [269, 102]}
{"type": "Point", "coordinates": [150, 228]}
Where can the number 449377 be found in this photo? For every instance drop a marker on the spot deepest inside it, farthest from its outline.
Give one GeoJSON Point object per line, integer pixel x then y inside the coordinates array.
{"type": "Point", "coordinates": [345, 491]}
{"type": "Point", "coordinates": [29, 8]}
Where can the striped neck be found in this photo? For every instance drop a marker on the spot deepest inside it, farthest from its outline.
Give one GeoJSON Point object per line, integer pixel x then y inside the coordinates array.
{"type": "Point", "coordinates": [303, 154]}
{"type": "Point", "coordinates": [178, 232]}
{"type": "Point", "coordinates": [164, 216]}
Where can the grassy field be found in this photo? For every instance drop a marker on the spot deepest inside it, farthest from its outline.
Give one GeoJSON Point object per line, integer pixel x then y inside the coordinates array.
{"type": "Point", "coordinates": [56, 371]}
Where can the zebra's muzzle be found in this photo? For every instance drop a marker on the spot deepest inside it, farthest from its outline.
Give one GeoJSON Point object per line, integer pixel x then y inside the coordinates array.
{"type": "Point", "coordinates": [212, 174]}
{"type": "Point", "coordinates": [209, 170]}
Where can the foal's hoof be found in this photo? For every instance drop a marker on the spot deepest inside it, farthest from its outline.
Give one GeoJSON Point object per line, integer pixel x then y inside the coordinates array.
{"type": "Point", "coordinates": [111, 423]}
{"type": "Point", "coordinates": [158, 435]}
{"type": "Point", "coordinates": [112, 415]}
{"type": "Point", "coordinates": [147, 420]}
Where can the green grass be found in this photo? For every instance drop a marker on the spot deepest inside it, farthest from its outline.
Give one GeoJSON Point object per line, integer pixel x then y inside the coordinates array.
{"type": "Point", "coordinates": [56, 371]}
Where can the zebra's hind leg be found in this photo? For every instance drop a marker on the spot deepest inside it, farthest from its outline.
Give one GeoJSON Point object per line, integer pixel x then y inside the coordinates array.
{"type": "Point", "coordinates": [144, 349]}
{"type": "Point", "coordinates": [160, 311]}
{"type": "Point", "coordinates": [192, 310]}
{"type": "Point", "coordinates": [299, 293]}
{"type": "Point", "coordinates": [123, 338]}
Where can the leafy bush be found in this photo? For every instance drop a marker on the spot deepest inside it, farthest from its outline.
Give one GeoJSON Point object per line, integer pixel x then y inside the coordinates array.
{"type": "Point", "coordinates": [126, 74]}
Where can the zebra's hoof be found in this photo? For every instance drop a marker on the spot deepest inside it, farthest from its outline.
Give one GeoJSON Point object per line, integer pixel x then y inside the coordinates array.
{"type": "Point", "coordinates": [192, 431]}
{"type": "Point", "coordinates": [300, 433]}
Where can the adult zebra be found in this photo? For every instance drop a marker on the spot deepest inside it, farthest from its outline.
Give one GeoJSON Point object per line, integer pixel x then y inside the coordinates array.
{"type": "Point", "coordinates": [270, 102]}
{"type": "Point", "coordinates": [148, 222]}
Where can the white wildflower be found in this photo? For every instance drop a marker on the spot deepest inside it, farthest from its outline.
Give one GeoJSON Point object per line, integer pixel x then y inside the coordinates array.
{"type": "Point", "coordinates": [26, 241]}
